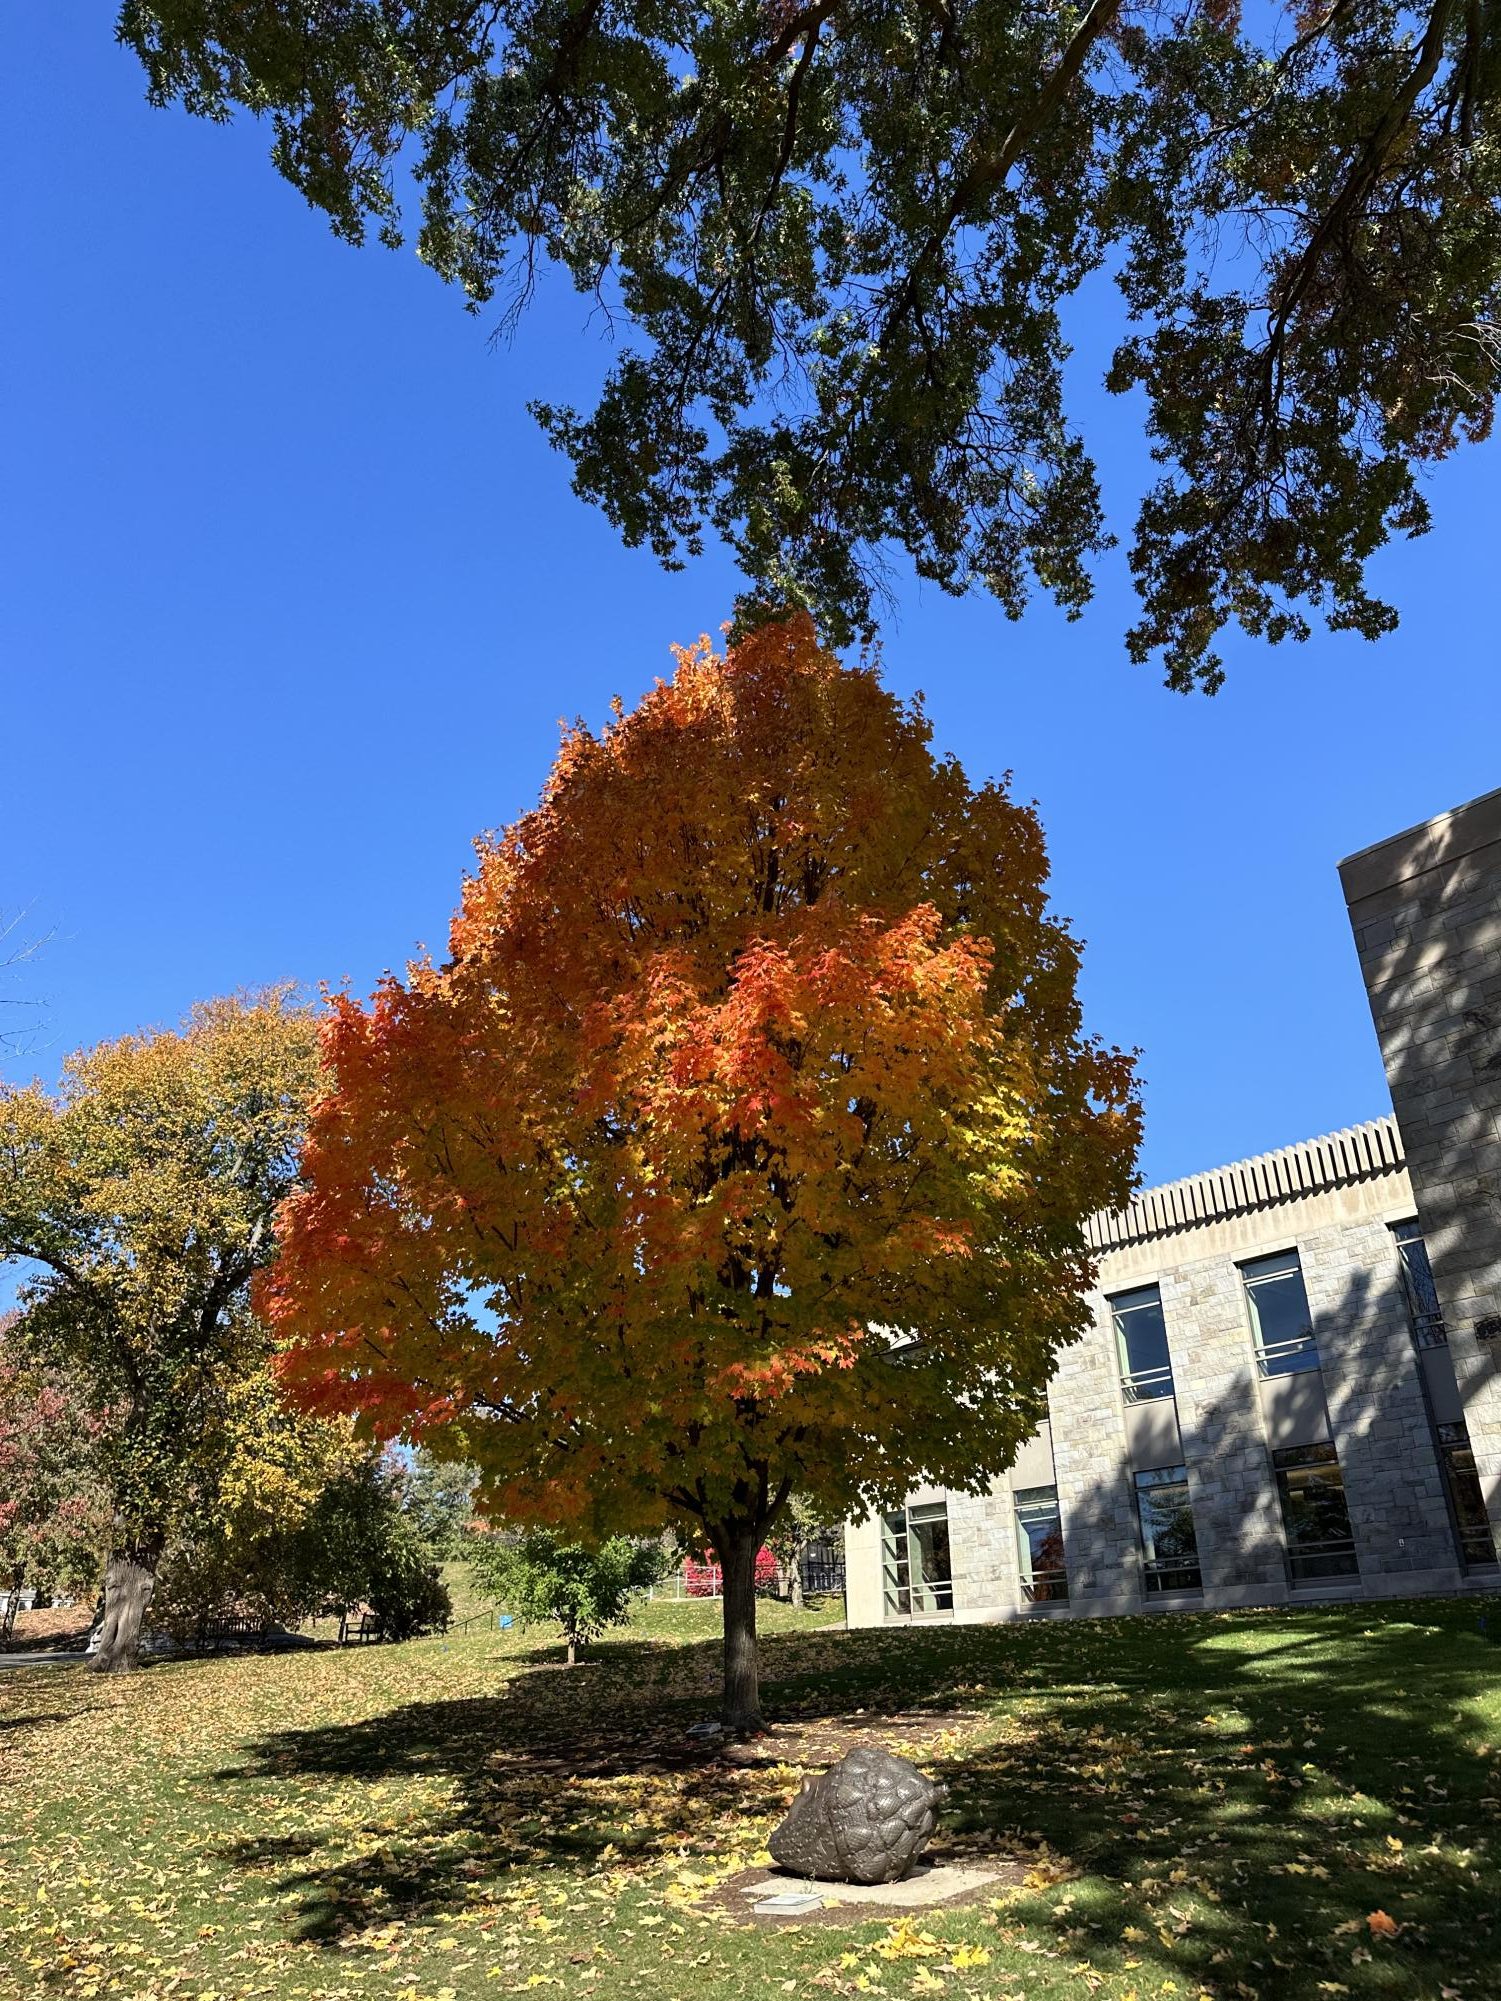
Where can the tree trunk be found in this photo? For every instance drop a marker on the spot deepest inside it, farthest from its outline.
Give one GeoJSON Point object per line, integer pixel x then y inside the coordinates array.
{"type": "Point", "coordinates": [738, 1544]}
{"type": "Point", "coordinates": [573, 1650]}
{"type": "Point", "coordinates": [129, 1580]}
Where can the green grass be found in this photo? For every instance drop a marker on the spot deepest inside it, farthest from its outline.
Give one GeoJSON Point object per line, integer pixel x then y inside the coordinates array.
{"type": "Point", "coordinates": [1212, 1805]}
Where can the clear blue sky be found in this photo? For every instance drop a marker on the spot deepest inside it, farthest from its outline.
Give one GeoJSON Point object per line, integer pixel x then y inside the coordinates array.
{"type": "Point", "coordinates": [293, 596]}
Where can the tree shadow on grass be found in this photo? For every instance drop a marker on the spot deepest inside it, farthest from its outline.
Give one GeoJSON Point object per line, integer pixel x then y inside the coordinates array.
{"type": "Point", "coordinates": [560, 1769]}
{"type": "Point", "coordinates": [1240, 1791]}
{"type": "Point", "coordinates": [1245, 1792]}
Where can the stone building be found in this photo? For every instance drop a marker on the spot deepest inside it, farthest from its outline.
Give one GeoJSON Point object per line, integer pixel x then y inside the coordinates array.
{"type": "Point", "coordinates": [1291, 1388]}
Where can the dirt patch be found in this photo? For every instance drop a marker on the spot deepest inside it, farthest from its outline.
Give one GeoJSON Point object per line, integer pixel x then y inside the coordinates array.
{"type": "Point", "coordinates": [824, 1741]}
{"type": "Point", "coordinates": [732, 1899]}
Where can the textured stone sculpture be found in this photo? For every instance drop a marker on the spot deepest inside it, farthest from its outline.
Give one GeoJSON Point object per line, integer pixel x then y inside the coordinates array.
{"type": "Point", "coordinates": [866, 1820]}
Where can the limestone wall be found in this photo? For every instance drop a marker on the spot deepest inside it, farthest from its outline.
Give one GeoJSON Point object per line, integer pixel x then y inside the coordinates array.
{"type": "Point", "coordinates": [1425, 907]}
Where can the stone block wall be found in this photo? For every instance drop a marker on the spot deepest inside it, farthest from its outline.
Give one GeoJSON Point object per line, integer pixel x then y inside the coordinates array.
{"type": "Point", "coordinates": [1334, 1201]}
{"type": "Point", "coordinates": [1378, 1417]}
{"type": "Point", "coordinates": [1236, 1517]}
{"type": "Point", "coordinates": [1096, 1500]}
{"type": "Point", "coordinates": [1425, 907]}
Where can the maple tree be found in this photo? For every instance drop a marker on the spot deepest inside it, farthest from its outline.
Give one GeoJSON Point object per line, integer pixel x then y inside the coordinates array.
{"type": "Point", "coordinates": [757, 1049]}
{"type": "Point", "coordinates": [842, 242]}
{"type": "Point", "coordinates": [139, 1198]}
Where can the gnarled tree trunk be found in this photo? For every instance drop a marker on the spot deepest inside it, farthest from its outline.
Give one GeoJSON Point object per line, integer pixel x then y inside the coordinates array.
{"type": "Point", "coordinates": [129, 1580]}
{"type": "Point", "coordinates": [737, 1545]}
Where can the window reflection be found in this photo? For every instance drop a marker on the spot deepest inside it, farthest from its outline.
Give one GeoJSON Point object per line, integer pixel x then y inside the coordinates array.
{"type": "Point", "coordinates": [1169, 1543]}
{"type": "Point", "coordinates": [1280, 1320]}
{"type": "Point", "coordinates": [1039, 1545]}
{"type": "Point", "coordinates": [917, 1569]}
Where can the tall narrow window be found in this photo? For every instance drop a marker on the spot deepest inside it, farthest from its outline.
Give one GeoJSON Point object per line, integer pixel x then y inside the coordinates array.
{"type": "Point", "coordinates": [1169, 1546]}
{"type": "Point", "coordinates": [1319, 1539]}
{"type": "Point", "coordinates": [1141, 1339]}
{"type": "Point", "coordinates": [1477, 1545]}
{"type": "Point", "coordinates": [1280, 1320]}
{"type": "Point", "coordinates": [1423, 1309]}
{"type": "Point", "coordinates": [1039, 1545]}
{"type": "Point", "coordinates": [917, 1571]}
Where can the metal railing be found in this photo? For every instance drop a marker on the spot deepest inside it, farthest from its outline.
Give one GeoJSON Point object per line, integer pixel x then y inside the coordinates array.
{"type": "Point", "coordinates": [1146, 1385]}
{"type": "Point", "coordinates": [1288, 1358]}
{"type": "Point", "coordinates": [1046, 1586]}
{"type": "Point", "coordinates": [1334, 1557]}
{"type": "Point", "coordinates": [1478, 1548]}
{"type": "Point", "coordinates": [1429, 1331]}
{"type": "Point", "coordinates": [1166, 1573]}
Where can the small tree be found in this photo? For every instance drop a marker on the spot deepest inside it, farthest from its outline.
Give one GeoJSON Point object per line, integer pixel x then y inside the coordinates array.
{"type": "Point", "coordinates": [582, 1591]}
{"type": "Point", "coordinates": [141, 1196]}
{"type": "Point", "coordinates": [366, 1548]}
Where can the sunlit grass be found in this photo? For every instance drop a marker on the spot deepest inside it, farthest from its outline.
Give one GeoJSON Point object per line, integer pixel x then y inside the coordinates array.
{"type": "Point", "coordinates": [1258, 1804]}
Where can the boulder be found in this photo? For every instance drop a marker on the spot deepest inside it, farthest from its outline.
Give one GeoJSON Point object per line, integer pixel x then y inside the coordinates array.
{"type": "Point", "coordinates": [866, 1820]}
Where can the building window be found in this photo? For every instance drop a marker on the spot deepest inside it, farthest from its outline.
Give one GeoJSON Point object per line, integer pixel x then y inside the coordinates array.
{"type": "Point", "coordinates": [1280, 1320]}
{"type": "Point", "coordinates": [1314, 1515]}
{"type": "Point", "coordinates": [917, 1570]}
{"type": "Point", "coordinates": [1169, 1547]}
{"type": "Point", "coordinates": [1477, 1545]}
{"type": "Point", "coordinates": [1039, 1545]}
{"type": "Point", "coordinates": [1423, 1309]}
{"type": "Point", "coordinates": [1141, 1339]}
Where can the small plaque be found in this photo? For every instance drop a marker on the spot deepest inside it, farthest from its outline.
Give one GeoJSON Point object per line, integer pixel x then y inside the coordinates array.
{"type": "Point", "coordinates": [788, 1904]}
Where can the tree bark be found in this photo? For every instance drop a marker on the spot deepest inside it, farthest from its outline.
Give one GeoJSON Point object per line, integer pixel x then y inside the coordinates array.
{"type": "Point", "coordinates": [573, 1650]}
{"type": "Point", "coordinates": [737, 1545]}
{"type": "Point", "coordinates": [129, 1580]}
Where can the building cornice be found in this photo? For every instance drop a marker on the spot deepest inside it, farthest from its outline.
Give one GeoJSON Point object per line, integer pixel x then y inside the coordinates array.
{"type": "Point", "coordinates": [1442, 842]}
{"type": "Point", "coordinates": [1358, 1153]}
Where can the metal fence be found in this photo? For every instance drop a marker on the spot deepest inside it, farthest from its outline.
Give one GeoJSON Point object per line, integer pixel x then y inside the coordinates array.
{"type": "Point", "coordinates": [823, 1577]}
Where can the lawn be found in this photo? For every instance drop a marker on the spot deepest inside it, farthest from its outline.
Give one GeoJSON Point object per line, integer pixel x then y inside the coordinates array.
{"type": "Point", "coordinates": [1215, 1805]}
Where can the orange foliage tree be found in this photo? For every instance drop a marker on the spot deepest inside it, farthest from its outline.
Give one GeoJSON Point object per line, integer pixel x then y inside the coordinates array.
{"type": "Point", "coordinates": [757, 1058]}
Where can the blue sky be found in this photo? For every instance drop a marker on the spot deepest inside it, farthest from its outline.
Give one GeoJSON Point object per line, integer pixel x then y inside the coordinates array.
{"type": "Point", "coordinates": [293, 596]}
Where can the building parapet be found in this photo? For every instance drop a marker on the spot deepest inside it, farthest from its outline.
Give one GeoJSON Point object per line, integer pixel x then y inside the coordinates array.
{"type": "Point", "coordinates": [1357, 1153]}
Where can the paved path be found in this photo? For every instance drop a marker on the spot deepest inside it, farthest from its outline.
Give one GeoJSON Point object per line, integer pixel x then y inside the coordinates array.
{"type": "Point", "coordinates": [40, 1660]}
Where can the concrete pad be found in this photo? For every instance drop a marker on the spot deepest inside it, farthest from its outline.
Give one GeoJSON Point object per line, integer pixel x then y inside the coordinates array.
{"type": "Point", "coordinates": [929, 1883]}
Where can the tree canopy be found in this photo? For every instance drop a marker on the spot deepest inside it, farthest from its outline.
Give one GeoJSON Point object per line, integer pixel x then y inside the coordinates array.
{"type": "Point", "coordinates": [139, 1200]}
{"type": "Point", "coordinates": [54, 1515]}
{"type": "Point", "coordinates": [758, 1051]}
{"type": "Point", "coordinates": [841, 239]}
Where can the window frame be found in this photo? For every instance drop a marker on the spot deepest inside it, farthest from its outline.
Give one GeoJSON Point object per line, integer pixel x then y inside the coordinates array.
{"type": "Point", "coordinates": [1337, 1555]}
{"type": "Point", "coordinates": [897, 1566]}
{"type": "Point", "coordinates": [1426, 1323]}
{"type": "Point", "coordinates": [1294, 1355]}
{"type": "Point", "coordinates": [1157, 1570]}
{"type": "Point", "coordinates": [1477, 1545]}
{"type": "Point", "coordinates": [1055, 1581]}
{"type": "Point", "coordinates": [1140, 1385]}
